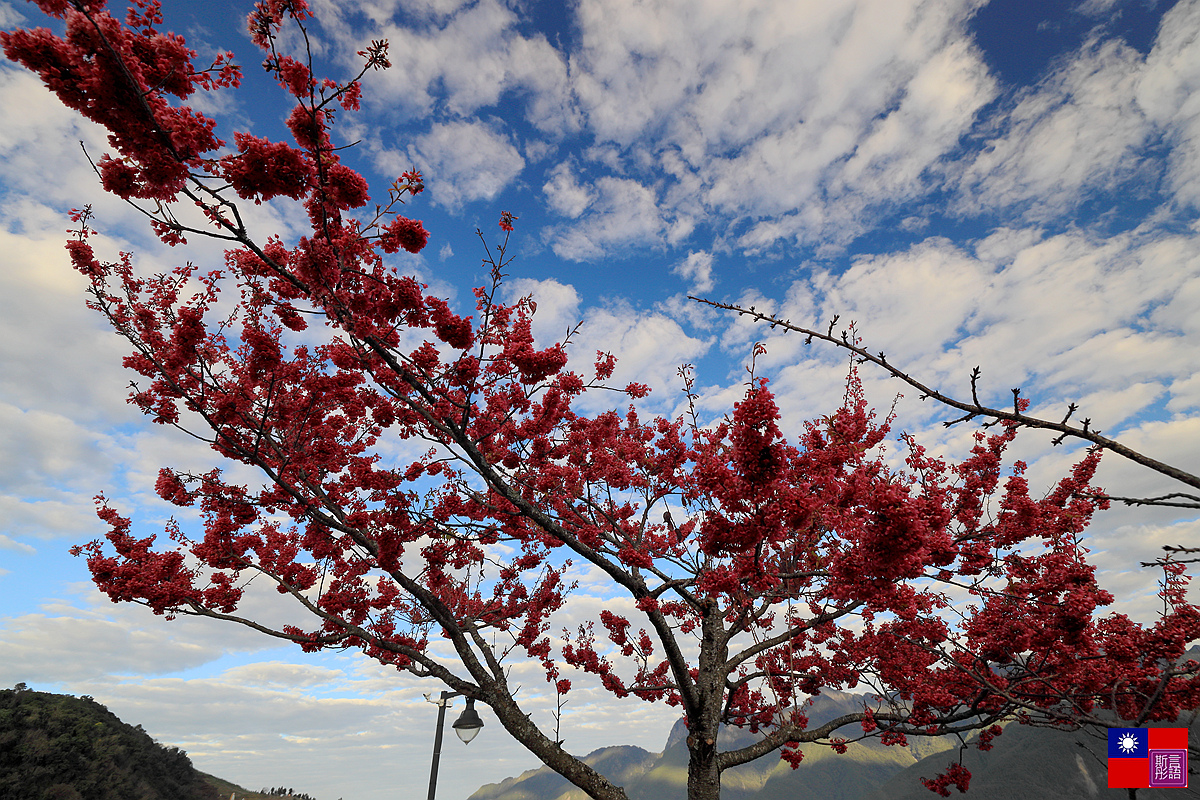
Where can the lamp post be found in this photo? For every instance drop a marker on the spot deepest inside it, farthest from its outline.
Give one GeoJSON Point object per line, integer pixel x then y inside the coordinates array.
{"type": "Point", "coordinates": [466, 726]}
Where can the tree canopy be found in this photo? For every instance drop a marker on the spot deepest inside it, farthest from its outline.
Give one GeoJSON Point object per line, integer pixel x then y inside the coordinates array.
{"type": "Point", "coordinates": [764, 567]}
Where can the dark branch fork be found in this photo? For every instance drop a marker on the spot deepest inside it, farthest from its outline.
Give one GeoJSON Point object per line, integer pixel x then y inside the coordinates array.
{"type": "Point", "coordinates": [975, 408]}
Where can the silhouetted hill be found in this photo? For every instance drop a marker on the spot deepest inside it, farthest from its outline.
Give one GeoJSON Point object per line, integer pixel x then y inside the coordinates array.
{"type": "Point", "coordinates": [56, 747]}
{"type": "Point", "coordinates": [231, 791]}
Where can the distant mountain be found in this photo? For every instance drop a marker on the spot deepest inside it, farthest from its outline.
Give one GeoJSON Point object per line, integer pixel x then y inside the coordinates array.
{"type": "Point", "coordinates": [56, 747]}
{"type": "Point", "coordinates": [622, 765]}
{"type": "Point", "coordinates": [663, 776]}
{"type": "Point", "coordinates": [1025, 763]}
{"type": "Point", "coordinates": [1028, 763]}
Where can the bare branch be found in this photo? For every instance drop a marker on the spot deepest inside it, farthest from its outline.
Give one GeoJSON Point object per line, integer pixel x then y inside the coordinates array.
{"type": "Point", "coordinates": [973, 408]}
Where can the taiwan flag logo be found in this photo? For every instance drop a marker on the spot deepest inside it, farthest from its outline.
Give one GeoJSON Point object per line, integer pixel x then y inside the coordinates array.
{"type": "Point", "coordinates": [1145, 758]}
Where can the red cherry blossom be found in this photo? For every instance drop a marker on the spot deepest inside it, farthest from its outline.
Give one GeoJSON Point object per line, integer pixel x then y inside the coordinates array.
{"type": "Point", "coordinates": [755, 567]}
{"type": "Point", "coordinates": [403, 232]}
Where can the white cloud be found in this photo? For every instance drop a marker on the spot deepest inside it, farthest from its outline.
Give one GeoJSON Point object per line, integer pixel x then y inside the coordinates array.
{"type": "Point", "coordinates": [1078, 131]}
{"type": "Point", "coordinates": [68, 515]}
{"type": "Point", "coordinates": [281, 673]}
{"type": "Point", "coordinates": [709, 92]}
{"type": "Point", "coordinates": [1185, 394]}
{"type": "Point", "coordinates": [434, 8]}
{"type": "Point", "coordinates": [697, 270]}
{"type": "Point", "coordinates": [804, 121]}
{"type": "Point", "coordinates": [557, 307]}
{"type": "Point", "coordinates": [914, 301]}
{"type": "Point", "coordinates": [68, 642]}
{"type": "Point", "coordinates": [1102, 322]}
{"type": "Point", "coordinates": [538, 149]}
{"type": "Point", "coordinates": [649, 346]}
{"type": "Point", "coordinates": [695, 315]}
{"type": "Point", "coordinates": [429, 67]}
{"type": "Point", "coordinates": [9, 16]}
{"type": "Point", "coordinates": [889, 88]}
{"type": "Point", "coordinates": [565, 194]}
{"type": "Point", "coordinates": [625, 213]}
{"type": "Point", "coordinates": [43, 446]}
{"type": "Point", "coordinates": [1086, 125]}
{"type": "Point", "coordinates": [50, 340]}
{"type": "Point", "coordinates": [1095, 8]}
{"type": "Point", "coordinates": [51, 649]}
{"type": "Point", "coordinates": [1169, 91]}
{"type": "Point", "coordinates": [11, 544]}
{"type": "Point", "coordinates": [464, 161]}
{"type": "Point", "coordinates": [939, 103]}
{"type": "Point", "coordinates": [56, 129]}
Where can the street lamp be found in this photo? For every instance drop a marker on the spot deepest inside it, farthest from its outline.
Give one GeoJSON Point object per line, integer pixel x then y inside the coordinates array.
{"type": "Point", "coordinates": [466, 726]}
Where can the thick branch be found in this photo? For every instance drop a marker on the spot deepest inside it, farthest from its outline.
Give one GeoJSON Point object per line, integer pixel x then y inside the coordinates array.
{"type": "Point", "coordinates": [1173, 500]}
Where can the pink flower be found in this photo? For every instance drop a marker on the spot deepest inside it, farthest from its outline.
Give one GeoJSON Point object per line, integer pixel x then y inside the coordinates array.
{"type": "Point", "coordinates": [403, 232]}
{"type": "Point", "coordinates": [265, 169]}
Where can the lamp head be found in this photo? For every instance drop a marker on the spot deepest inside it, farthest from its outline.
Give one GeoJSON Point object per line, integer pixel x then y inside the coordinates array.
{"type": "Point", "coordinates": [468, 723]}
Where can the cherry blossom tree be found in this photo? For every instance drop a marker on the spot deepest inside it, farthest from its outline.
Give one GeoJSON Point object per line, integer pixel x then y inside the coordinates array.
{"type": "Point", "coordinates": [764, 569]}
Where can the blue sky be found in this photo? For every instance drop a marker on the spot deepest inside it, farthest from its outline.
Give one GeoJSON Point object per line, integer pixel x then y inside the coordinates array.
{"type": "Point", "coordinates": [1009, 184]}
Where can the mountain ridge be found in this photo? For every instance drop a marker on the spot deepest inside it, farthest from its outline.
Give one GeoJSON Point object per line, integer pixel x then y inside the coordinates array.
{"type": "Point", "coordinates": [1025, 763]}
{"type": "Point", "coordinates": [663, 776]}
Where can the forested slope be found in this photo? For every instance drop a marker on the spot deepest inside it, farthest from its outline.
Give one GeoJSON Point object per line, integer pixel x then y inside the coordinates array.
{"type": "Point", "coordinates": [57, 747]}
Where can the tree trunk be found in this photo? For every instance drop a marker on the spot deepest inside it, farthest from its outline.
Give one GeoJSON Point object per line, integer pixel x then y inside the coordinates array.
{"type": "Point", "coordinates": [704, 719]}
{"type": "Point", "coordinates": [704, 779]}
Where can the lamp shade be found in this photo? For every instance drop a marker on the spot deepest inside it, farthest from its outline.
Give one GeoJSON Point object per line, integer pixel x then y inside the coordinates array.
{"type": "Point", "coordinates": [468, 723]}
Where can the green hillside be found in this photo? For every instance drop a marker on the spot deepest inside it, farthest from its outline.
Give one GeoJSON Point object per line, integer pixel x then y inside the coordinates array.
{"type": "Point", "coordinates": [58, 747]}
{"type": "Point", "coordinates": [55, 747]}
{"type": "Point", "coordinates": [823, 775]}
